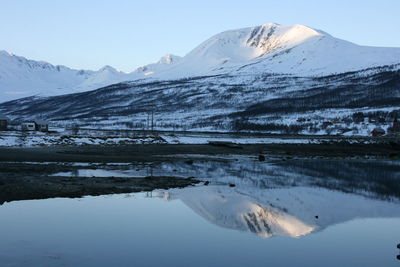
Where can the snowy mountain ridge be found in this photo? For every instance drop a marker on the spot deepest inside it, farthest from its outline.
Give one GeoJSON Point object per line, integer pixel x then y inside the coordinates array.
{"type": "Point", "coordinates": [270, 48]}
{"type": "Point", "coordinates": [21, 77]}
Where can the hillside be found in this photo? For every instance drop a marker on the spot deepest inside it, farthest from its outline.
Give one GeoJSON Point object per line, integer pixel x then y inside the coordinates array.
{"type": "Point", "coordinates": [271, 78]}
{"type": "Point", "coordinates": [335, 104]}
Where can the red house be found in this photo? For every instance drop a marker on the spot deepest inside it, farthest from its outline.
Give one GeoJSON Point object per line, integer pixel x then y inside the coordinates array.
{"type": "Point", "coordinates": [378, 132]}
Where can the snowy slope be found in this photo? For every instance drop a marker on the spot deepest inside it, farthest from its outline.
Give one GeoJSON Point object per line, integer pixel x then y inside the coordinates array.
{"type": "Point", "coordinates": [163, 64]}
{"type": "Point", "coordinates": [21, 77]}
{"type": "Point", "coordinates": [268, 103]}
{"type": "Point", "coordinates": [103, 77]}
{"type": "Point", "coordinates": [272, 48]}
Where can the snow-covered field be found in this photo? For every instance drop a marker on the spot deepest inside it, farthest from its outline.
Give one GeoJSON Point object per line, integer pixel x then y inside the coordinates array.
{"type": "Point", "coordinates": [32, 139]}
{"type": "Point", "coordinates": [11, 139]}
{"type": "Point", "coordinates": [204, 139]}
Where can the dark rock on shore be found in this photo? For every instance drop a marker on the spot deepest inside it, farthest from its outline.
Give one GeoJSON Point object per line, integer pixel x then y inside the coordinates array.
{"type": "Point", "coordinates": [29, 187]}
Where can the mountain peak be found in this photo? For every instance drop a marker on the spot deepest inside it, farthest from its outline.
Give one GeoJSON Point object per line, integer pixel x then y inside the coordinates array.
{"type": "Point", "coordinates": [5, 53]}
{"type": "Point", "coordinates": [271, 24]}
{"type": "Point", "coordinates": [271, 36]}
{"type": "Point", "coordinates": [169, 59]}
{"type": "Point", "coordinates": [108, 69]}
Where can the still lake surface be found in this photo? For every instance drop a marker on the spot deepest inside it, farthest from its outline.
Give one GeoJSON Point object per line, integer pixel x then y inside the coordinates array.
{"type": "Point", "coordinates": [280, 213]}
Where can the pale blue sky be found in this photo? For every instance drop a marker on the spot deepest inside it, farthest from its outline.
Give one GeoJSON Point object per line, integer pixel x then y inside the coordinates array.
{"type": "Point", "coordinates": [88, 34]}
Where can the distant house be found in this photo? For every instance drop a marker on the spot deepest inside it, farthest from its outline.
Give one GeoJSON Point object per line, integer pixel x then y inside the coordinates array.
{"type": "Point", "coordinates": [42, 126]}
{"type": "Point", "coordinates": [378, 131]}
{"type": "Point", "coordinates": [28, 126]}
{"type": "Point", "coordinates": [36, 125]}
{"type": "Point", "coordinates": [3, 122]}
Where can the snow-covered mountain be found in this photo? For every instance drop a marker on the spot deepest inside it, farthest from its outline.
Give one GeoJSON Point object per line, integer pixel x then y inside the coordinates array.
{"type": "Point", "coordinates": [21, 77]}
{"type": "Point", "coordinates": [269, 48]}
{"type": "Point", "coordinates": [163, 64]}
{"type": "Point", "coordinates": [272, 48]}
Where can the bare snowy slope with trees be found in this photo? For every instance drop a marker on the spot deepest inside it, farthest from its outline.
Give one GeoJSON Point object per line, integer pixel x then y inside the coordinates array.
{"type": "Point", "coordinates": [270, 103]}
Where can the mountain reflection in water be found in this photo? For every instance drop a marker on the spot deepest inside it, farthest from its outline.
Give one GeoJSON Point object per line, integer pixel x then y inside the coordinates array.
{"type": "Point", "coordinates": [295, 211]}
{"type": "Point", "coordinates": [279, 197]}
{"type": "Point", "coordinates": [293, 198]}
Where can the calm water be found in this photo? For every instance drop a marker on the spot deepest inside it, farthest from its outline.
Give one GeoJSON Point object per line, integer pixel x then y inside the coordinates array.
{"type": "Point", "coordinates": [279, 214]}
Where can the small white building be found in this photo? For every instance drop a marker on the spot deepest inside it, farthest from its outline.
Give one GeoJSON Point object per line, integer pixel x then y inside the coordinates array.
{"type": "Point", "coordinates": [35, 125]}
{"type": "Point", "coordinates": [28, 126]}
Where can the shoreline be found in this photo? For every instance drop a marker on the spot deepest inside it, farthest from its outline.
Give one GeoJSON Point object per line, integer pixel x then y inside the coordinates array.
{"type": "Point", "coordinates": [27, 173]}
{"type": "Point", "coordinates": [162, 152]}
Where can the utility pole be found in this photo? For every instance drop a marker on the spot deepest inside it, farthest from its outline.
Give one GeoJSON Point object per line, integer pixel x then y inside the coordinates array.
{"type": "Point", "coordinates": [148, 122]}
{"type": "Point", "coordinates": [152, 119]}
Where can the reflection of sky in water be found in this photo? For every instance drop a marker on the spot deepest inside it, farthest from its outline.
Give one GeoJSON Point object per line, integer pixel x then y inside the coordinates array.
{"type": "Point", "coordinates": [138, 231]}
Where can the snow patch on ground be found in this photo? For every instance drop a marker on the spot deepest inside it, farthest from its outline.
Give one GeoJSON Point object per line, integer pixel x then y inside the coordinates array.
{"type": "Point", "coordinates": [36, 139]}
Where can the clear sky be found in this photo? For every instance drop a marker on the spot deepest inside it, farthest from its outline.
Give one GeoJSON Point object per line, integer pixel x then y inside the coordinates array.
{"type": "Point", "coordinates": [88, 34]}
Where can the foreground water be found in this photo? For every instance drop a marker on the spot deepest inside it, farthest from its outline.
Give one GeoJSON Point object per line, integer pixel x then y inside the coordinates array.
{"type": "Point", "coordinates": [281, 213]}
